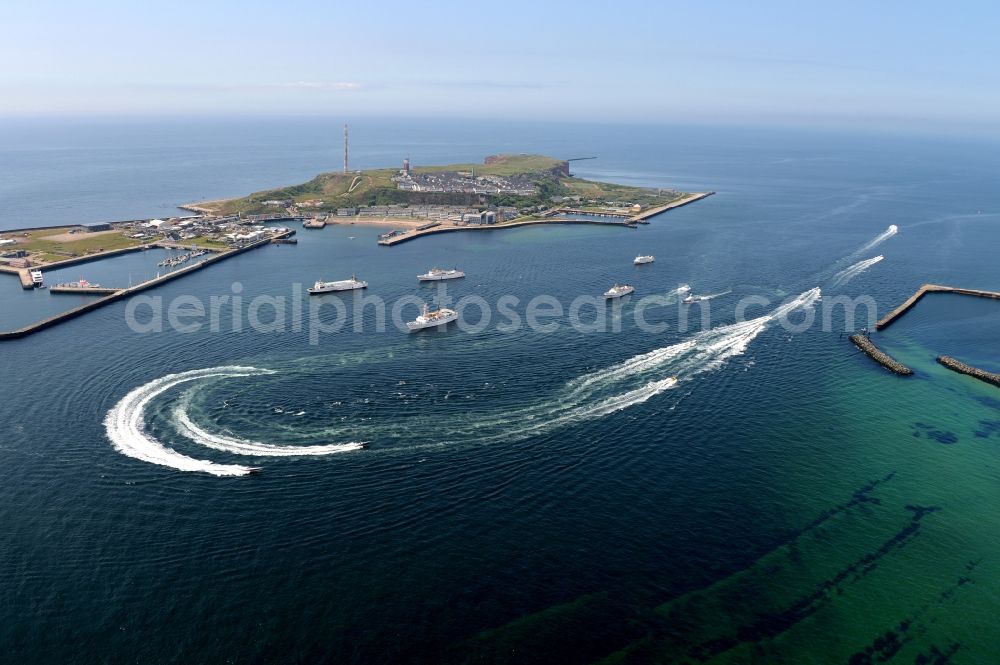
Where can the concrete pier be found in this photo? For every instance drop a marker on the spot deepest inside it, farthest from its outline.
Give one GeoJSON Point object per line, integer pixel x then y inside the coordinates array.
{"type": "Point", "coordinates": [87, 258]}
{"type": "Point", "coordinates": [592, 213]}
{"type": "Point", "coordinates": [975, 372]}
{"type": "Point", "coordinates": [908, 304]}
{"type": "Point", "coordinates": [24, 274]}
{"type": "Point", "coordinates": [880, 356]}
{"type": "Point", "coordinates": [683, 201]}
{"type": "Point", "coordinates": [124, 293]}
{"type": "Point", "coordinates": [411, 234]}
{"type": "Point", "coordinates": [84, 290]}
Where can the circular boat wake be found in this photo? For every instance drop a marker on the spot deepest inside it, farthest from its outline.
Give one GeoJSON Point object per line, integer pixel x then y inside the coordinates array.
{"type": "Point", "coordinates": [126, 428]}
{"type": "Point", "coordinates": [591, 395]}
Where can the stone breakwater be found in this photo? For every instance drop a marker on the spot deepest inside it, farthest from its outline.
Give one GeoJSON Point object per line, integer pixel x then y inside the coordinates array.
{"type": "Point", "coordinates": [975, 372]}
{"type": "Point", "coordinates": [879, 356]}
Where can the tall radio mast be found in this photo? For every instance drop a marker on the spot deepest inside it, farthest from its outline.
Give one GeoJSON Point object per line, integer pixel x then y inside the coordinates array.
{"type": "Point", "coordinates": [345, 147]}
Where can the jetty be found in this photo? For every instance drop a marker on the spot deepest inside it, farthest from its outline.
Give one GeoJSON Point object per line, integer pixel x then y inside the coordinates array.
{"type": "Point", "coordinates": [592, 213]}
{"type": "Point", "coordinates": [683, 201]}
{"type": "Point", "coordinates": [124, 293]}
{"type": "Point", "coordinates": [969, 370]}
{"type": "Point", "coordinates": [604, 218]}
{"type": "Point", "coordinates": [396, 237]}
{"type": "Point", "coordinates": [84, 290]}
{"type": "Point", "coordinates": [24, 274]}
{"type": "Point", "coordinates": [879, 356]}
{"type": "Point", "coordinates": [908, 304]}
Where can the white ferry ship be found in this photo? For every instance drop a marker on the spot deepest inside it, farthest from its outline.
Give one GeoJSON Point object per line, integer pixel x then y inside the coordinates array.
{"type": "Point", "coordinates": [619, 290]}
{"type": "Point", "coordinates": [644, 258]}
{"type": "Point", "coordinates": [340, 285]}
{"type": "Point", "coordinates": [436, 275]}
{"type": "Point", "coordinates": [429, 319]}
{"type": "Point", "coordinates": [36, 278]}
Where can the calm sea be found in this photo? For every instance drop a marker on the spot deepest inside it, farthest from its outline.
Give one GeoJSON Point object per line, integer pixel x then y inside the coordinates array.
{"type": "Point", "coordinates": [515, 494]}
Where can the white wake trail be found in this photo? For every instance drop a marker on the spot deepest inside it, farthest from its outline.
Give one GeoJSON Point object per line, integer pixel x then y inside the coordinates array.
{"type": "Point", "coordinates": [879, 239]}
{"type": "Point", "coordinates": [661, 369]}
{"type": "Point", "coordinates": [704, 351]}
{"type": "Point", "coordinates": [238, 446]}
{"type": "Point", "coordinates": [125, 424]}
{"type": "Point", "coordinates": [592, 395]}
{"type": "Point", "coordinates": [849, 273]}
{"type": "Point", "coordinates": [125, 427]}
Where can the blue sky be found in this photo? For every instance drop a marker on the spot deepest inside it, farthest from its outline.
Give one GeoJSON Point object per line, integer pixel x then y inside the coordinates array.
{"type": "Point", "coordinates": [888, 63]}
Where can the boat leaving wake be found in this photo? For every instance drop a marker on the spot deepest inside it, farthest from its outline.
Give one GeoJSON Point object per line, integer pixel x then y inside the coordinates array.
{"type": "Point", "coordinates": [849, 273]}
{"type": "Point", "coordinates": [704, 352]}
{"type": "Point", "coordinates": [592, 395]}
{"type": "Point", "coordinates": [125, 427]}
{"type": "Point", "coordinates": [879, 239]}
{"type": "Point", "coordinates": [711, 296]}
{"type": "Point", "coordinates": [632, 381]}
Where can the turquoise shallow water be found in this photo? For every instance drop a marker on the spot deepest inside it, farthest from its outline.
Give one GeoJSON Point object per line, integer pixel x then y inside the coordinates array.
{"type": "Point", "coordinates": [523, 496]}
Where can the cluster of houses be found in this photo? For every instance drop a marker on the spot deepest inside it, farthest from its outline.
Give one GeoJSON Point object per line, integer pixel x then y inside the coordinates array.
{"type": "Point", "coordinates": [230, 229]}
{"type": "Point", "coordinates": [176, 229]}
{"type": "Point", "coordinates": [464, 183]}
{"type": "Point", "coordinates": [250, 234]}
{"type": "Point", "coordinates": [443, 213]}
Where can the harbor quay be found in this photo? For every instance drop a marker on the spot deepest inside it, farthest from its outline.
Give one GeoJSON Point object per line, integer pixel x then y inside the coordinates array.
{"type": "Point", "coordinates": [113, 295]}
{"type": "Point", "coordinates": [910, 302]}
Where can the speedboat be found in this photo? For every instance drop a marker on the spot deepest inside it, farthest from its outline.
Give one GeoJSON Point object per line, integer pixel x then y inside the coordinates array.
{"type": "Point", "coordinates": [644, 258]}
{"type": "Point", "coordinates": [429, 319]}
{"type": "Point", "coordinates": [619, 290]}
{"type": "Point", "coordinates": [436, 275]}
{"type": "Point", "coordinates": [693, 299]}
{"type": "Point", "coordinates": [341, 285]}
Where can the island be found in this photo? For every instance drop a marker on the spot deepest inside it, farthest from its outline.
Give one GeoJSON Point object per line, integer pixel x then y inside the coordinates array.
{"type": "Point", "coordinates": [504, 191]}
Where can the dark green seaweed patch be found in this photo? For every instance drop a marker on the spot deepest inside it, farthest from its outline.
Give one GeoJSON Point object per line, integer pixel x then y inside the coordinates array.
{"type": "Point", "coordinates": [991, 402]}
{"type": "Point", "coordinates": [770, 625]}
{"type": "Point", "coordinates": [884, 647]}
{"type": "Point", "coordinates": [935, 656]}
{"type": "Point", "coordinates": [606, 621]}
{"type": "Point", "coordinates": [860, 496]}
{"type": "Point", "coordinates": [988, 428]}
{"type": "Point", "coordinates": [888, 644]}
{"type": "Point", "coordinates": [941, 436]}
